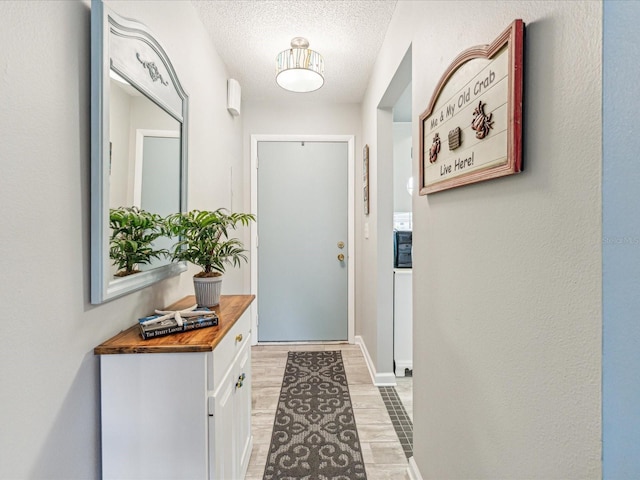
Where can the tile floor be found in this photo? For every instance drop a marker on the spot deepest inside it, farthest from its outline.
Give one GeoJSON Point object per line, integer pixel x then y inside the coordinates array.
{"type": "Point", "coordinates": [383, 454]}
{"type": "Point", "coordinates": [401, 421]}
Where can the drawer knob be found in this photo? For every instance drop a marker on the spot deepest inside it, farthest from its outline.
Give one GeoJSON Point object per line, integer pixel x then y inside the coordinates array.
{"type": "Point", "coordinates": [239, 337]}
{"type": "Point", "coordinates": [240, 381]}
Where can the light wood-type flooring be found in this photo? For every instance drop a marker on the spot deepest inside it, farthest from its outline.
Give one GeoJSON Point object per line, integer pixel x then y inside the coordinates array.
{"type": "Point", "coordinates": [383, 455]}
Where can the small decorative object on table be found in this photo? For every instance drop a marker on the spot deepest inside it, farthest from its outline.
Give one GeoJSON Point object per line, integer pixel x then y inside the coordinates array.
{"type": "Point", "coordinates": [165, 322]}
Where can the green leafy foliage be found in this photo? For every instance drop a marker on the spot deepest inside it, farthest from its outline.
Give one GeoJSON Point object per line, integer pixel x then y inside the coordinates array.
{"type": "Point", "coordinates": [132, 233]}
{"type": "Point", "coordinates": [204, 239]}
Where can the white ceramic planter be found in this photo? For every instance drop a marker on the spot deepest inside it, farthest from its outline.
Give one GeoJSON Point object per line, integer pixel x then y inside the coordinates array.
{"type": "Point", "coordinates": [207, 290]}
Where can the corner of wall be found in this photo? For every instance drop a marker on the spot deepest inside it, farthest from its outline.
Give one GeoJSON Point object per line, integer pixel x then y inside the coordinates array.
{"type": "Point", "coordinates": [378, 379]}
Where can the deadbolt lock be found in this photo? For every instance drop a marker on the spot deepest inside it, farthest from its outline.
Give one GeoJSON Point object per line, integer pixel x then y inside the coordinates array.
{"type": "Point", "coordinates": [340, 244]}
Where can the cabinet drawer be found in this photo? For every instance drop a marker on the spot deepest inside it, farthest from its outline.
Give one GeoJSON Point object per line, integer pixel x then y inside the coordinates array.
{"type": "Point", "coordinates": [225, 352]}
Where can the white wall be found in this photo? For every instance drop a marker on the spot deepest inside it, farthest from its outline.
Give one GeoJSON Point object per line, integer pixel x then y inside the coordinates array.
{"type": "Point", "coordinates": [49, 394]}
{"type": "Point", "coordinates": [128, 113]}
{"type": "Point", "coordinates": [120, 172]}
{"type": "Point", "coordinates": [507, 273]}
{"type": "Point", "coordinates": [299, 119]}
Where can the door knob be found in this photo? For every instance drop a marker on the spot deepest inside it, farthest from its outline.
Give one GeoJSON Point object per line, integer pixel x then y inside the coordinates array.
{"type": "Point", "coordinates": [341, 257]}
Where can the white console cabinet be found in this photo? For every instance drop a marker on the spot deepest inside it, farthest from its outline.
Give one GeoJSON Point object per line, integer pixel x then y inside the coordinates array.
{"type": "Point", "coordinates": [179, 406]}
{"type": "Point", "coordinates": [230, 420]}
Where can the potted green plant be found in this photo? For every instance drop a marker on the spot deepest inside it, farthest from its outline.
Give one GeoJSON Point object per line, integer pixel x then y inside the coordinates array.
{"type": "Point", "coordinates": [133, 232]}
{"type": "Point", "coordinates": [204, 241]}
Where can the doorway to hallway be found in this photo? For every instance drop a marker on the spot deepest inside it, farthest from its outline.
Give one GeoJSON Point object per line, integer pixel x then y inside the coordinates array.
{"type": "Point", "coordinates": [394, 294]}
{"type": "Point", "coordinates": [303, 276]}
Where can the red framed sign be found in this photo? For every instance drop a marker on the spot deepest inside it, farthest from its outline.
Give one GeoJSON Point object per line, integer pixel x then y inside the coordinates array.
{"type": "Point", "coordinates": [472, 129]}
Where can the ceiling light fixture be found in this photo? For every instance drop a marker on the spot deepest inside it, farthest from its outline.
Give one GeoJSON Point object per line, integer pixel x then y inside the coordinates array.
{"type": "Point", "coordinates": [300, 69]}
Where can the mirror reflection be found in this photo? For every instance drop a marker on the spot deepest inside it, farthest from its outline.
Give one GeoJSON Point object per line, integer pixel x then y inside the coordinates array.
{"type": "Point", "coordinates": [139, 155]}
{"type": "Point", "coordinates": [144, 159]}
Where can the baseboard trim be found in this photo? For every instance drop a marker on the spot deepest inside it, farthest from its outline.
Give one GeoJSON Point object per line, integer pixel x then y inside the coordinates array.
{"type": "Point", "coordinates": [412, 470]}
{"type": "Point", "coordinates": [385, 380]}
{"type": "Point", "coordinates": [378, 379]}
{"type": "Point", "coordinates": [311, 342]}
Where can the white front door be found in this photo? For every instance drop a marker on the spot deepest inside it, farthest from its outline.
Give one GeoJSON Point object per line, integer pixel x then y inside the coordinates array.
{"type": "Point", "coordinates": [303, 225]}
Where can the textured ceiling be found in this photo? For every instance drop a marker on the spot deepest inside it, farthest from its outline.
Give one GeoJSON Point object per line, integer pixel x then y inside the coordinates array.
{"type": "Point", "coordinates": [248, 34]}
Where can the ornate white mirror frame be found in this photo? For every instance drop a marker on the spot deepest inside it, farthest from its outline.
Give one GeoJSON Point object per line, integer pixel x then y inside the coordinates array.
{"type": "Point", "coordinates": [125, 48]}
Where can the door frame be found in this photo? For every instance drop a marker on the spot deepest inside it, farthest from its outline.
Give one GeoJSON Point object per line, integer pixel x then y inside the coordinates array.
{"type": "Point", "coordinates": [350, 141]}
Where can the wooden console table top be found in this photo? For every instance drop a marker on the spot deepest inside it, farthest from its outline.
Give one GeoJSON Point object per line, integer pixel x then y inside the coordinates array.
{"type": "Point", "coordinates": [202, 340]}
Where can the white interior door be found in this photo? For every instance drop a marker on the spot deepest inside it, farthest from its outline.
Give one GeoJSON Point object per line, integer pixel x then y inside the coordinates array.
{"type": "Point", "coordinates": [302, 208]}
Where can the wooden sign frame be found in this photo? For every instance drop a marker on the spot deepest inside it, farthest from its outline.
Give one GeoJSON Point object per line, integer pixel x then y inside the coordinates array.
{"type": "Point", "coordinates": [365, 178]}
{"type": "Point", "coordinates": [455, 122]}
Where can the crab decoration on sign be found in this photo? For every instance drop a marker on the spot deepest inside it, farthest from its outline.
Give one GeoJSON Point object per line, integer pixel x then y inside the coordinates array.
{"type": "Point", "coordinates": [435, 148]}
{"type": "Point", "coordinates": [455, 138]}
{"type": "Point", "coordinates": [482, 122]}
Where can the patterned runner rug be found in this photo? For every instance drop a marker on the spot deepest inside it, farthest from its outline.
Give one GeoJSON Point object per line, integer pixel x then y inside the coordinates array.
{"type": "Point", "coordinates": [314, 433]}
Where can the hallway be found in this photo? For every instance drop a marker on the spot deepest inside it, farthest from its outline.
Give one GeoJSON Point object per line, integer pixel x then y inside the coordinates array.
{"type": "Point", "coordinates": [383, 455]}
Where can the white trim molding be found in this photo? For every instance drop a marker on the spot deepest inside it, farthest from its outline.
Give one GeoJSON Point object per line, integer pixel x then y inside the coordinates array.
{"type": "Point", "coordinates": [413, 471]}
{"type": "Point", "coordinates": [378, 379]}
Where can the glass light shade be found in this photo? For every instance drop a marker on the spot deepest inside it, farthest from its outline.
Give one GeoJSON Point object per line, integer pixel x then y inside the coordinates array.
{"type": "Point", "coordinates": [300, 69]}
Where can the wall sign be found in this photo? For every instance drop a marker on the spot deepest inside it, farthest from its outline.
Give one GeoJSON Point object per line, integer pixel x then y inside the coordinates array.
{"type": "Point", "coordinates": [472, 129]}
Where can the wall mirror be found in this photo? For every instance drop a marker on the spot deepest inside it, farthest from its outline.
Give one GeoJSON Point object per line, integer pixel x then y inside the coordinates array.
{"type": "Point", "coordinates": [138, 143]}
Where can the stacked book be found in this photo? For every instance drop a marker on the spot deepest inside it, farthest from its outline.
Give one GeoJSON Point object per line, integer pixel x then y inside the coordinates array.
{"type": "Point", "coordinates": [167, 322]}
